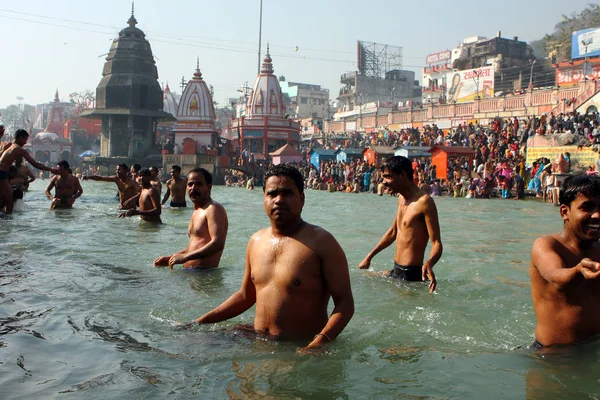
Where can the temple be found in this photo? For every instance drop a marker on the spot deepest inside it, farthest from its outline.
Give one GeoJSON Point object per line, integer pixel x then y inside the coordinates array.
{"type": "Point", "coordinates": [265, 127]}
{"type": "Point", "coordinates": [196, 117]}
{"type": "Point", "coordinates": [51, 145]}
{"type": "Point", "coordinates": [129, 99]}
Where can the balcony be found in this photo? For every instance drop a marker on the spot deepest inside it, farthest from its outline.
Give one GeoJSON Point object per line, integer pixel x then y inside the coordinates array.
{"type": "Point", "coordinates": [434, 69]}
{"type": "Point", "coordinates": [435, 89]}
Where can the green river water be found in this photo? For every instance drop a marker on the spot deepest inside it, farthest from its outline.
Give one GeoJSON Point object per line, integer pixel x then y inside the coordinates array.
{"type": "Point", "coordinates": [84, 315]}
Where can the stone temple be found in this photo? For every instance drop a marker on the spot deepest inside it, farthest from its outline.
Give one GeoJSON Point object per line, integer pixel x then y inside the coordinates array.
{"type": "Point", "coordinates": [129, 99]}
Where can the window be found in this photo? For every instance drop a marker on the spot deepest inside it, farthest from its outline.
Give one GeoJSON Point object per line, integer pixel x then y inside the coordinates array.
{"type": "Point", "coordinates": [303, 100]}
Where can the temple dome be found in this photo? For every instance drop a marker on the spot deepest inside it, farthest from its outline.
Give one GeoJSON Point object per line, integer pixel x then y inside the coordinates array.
{"type": "Point", "coordinates": [196, 103]}
{"type": "Point", "coordinates": [44, 135]}
{"type": "Point", "coordinates": [266, 99]}
{"type": "Point", "coordinates": [169, 101]}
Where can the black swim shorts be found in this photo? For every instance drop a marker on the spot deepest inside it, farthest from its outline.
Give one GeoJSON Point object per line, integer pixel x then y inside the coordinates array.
{"type": "Point", "coordinates": [407, 273]}
{"type": "Point", "coordinates": [178, 205]}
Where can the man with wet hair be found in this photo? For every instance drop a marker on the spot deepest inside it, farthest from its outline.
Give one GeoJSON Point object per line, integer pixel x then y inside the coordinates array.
{"type": "Point", "coordinates": [67, 187]}
{"type": "Point", "coordinates": [7, 159]}
{"type": "Point", "coordinates": [207, 229]}
{"type": "Point", "coordinates": [150, 208]}
{"type": "Point", "coordinates": [155, 180]}
{"type": "Point", "coordinates": [175, 188]}
{"type": "Point", "coordinates": [292, 269]}
{"type": "Point", "coordinates": [127, 186]}
{"type": "Point", "coordinates": [415, 224]}
{"type": "Point", "coordinates": [565, 268]}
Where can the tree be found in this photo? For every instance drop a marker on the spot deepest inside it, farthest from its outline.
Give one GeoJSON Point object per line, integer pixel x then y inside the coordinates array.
{"type": "Point", "coordinates": [559, 42]}
{"type": "Point", "coordinates": [82, 101]}
{"type": "Point", "coordinates": [16, 117]}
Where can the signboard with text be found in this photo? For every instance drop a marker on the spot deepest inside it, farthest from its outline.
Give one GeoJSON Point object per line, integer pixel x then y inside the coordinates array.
{"type": "Point", "coordinates": [585, 43]}
{"type": "Point", "coordinates": [436, 58]}
{"type": "Point", "coordinates": [469, 84]}
{"type": "Point", "coordinates": [581, 158]}
{"type": "Point", "coordinates": [572, 76]}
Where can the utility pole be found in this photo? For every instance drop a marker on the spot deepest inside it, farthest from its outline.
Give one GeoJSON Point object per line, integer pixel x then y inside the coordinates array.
{"type": "Point", "coordinates": [259, 35]}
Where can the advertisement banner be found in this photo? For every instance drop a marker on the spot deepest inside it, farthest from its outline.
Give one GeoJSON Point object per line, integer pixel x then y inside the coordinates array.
{"type": "Point", "coordinates": [467, 85]}
{"type": "Point", "coordinates": [587, 39]}
{"type": "Point", "coordinates": [581, 157]}
{"type": "Point", "coordinates": [440, 57]}
{"type": "Point", "coordinates": [572, 76]}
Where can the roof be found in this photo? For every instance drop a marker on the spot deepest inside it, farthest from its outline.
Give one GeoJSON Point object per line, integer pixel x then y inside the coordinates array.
{"type": "Point", "coordinates": [453, 149]}
{"type": "Point", "coordinates": [99, 112]}
{"type": "Point", "coordinates": [286, 150]}
{"type": "Point", "coordinates": [382, 149]}
{"type": "Point", "coordinates": [350, 151]}
{"type": "Point", "coordinates": [323, 152]}
{"type": "Point", "coordinates": [413, 148]}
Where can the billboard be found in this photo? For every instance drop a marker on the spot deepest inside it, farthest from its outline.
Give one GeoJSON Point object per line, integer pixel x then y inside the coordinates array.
{"type": "Point", "coordinates": [589, 38]}
{"type": "Point", "coordinates": [468, 84]}
{"type": "Point", "coordinates": [443, 56]}
{"type": "Point", "coordinates": [572, 76]}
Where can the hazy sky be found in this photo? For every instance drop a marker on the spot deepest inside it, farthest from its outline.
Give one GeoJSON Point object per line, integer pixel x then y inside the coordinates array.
{"type": "Point", "coordinates": [63, 43]}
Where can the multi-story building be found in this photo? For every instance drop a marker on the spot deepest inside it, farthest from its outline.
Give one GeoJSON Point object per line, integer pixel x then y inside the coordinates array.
{"type": "Point", "coordinates": [305, 100]}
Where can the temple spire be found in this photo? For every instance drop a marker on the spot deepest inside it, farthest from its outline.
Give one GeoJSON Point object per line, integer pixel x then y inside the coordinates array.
{"type": "Point", "coordinates": [56, 98]}
{"type": "Point", "coordinates": [197, 74]}
{"type": "Point", "coordinates": [132, 21]}
{"type": "Point", "coordinates": [267, 66]}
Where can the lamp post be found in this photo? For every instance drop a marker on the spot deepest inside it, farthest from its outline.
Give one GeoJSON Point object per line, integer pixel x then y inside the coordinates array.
{"type": "Point", "coordinates": [530, 87]}
{"type": "Point", "coordinates": [586, 71]}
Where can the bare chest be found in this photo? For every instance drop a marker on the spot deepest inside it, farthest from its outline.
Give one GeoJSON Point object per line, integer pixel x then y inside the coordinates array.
{"type": "Point", "coordinates": [409, 217]}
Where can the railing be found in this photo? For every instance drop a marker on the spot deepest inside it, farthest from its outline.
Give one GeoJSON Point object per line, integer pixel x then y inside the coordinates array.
{"type": "Point", "coordinates": [462, 110]}
{"type": "Point", "coordinates": [489, 105]}
{"type": "Point", "coordinates": [442, 111]}
{"type": "Point", "coordinates": [541, 98]}
{"type": "Point", "coordinates": [514, 103]}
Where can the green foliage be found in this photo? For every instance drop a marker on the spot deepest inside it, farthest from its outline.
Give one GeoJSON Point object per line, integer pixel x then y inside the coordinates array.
{"type": "Point", "coordinates": [560, 40]}
{"type": "Point", "coordinates": [16, 116]}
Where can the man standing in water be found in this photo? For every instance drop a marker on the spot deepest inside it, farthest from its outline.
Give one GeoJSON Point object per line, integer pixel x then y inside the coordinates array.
{"type": "Point", "coordinates": [565, 268]}
{"type": "Point", "coordinates": [7, 158]}
{"type": "Point", "coordinates": [150, 208]}
{"type": "Point", "coordinates": [127, 187]}
{"type": "Point", "coordinates": [416, 223]}
{"type": "Point", "coordinates": [68, 188]}
{"type": "Point", "coordinates": [176, 188]}
{"type": "Point", "coordinates": [207, 229]}
{"type": "Point", "coordinates": [25, 173]}
{"type": "Point", "coordinates": [292, 269]}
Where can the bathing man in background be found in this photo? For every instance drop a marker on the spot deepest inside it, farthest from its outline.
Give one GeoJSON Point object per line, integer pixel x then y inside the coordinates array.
{"type": "Point", "coordinates": [150, 208]}
{"type": "Point", "coordinates": [207, 229]}
{"type": "Point", "coordinates": [292, 269]}
{"type": "Point", "coordinates": [68, 188]}
{"type": "Point", "coordinates": [416, 223]}
{"type": "Point", "coordinates": [565, 268]}
{"type": "Point", "coordinates": [127, 186]}
{"type": "Point", "coordinates": [175, 188]}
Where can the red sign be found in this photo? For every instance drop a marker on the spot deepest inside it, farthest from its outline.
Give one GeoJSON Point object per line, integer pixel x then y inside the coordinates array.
{"type": "Point", "coordinates": [571, 76]}
{"type": "Point", "coordinates": [438, 57]}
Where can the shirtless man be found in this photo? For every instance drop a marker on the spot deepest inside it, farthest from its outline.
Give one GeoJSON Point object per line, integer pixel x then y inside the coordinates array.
{"type": "Point", "coordinates": [127, 187]}
{"type": "Point", "coordinates": [175, 188]}
{"type": "Point", "coordinates": [68, 188]}
{"type": "Point", "coordinates": [565, 268]}
{"type": "Point", "coordinates": [150, 208]}
{"type": "Point", "coordinates": [25, 173]}
{"type": "Point", "coordinates": [155, 180]}
{"type": "Point", "coordinates": [7, 159]}
{"type": "Point", "coordinates": [416, 223]}
{"type": "Point", "coordinates": [292, 269]}
{"type": "Point", "coordinates": [207, 229]}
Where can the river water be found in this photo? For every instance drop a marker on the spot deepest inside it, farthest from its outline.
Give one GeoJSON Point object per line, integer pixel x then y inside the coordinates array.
{"type": "Point", "coordinates": [84, 315]}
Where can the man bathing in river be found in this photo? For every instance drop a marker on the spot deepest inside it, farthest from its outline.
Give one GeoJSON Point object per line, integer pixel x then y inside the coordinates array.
{"type": "Point", "coordinates": [565, 268]}
{"type": "Point", "coordinates": [416, 223]}
{"type": "Point", "coordinates": [175, 188]}
{"type": "Point", "coordinates": [8, 157]}
{"type": "Point", "coordinates": [150, 208]}
{"type": "Point", "coordinates": [207, 229]}
{"type": "Point", "coordinates": [292, 269]}
{"type": "Point", "coordinates": [127, 186]}
{"type": "Point", "coordinates": [67, 188]}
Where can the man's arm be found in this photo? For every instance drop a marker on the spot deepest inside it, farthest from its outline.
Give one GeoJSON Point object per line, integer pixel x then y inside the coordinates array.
{"type": "Point", "coordinates": [101, 178]}
{"type": "Point", "coordinates": [30, 176]}
{"type": "Point", "coordinates": [239, 302]}
{"type": "Point", "coordinates": [334, 267]}
{"type": "Point", "coordinates": [552, 267]}
{"type": "Point", "coordinates": [78, 188]}
{"type": "Point", "coordinates": [168, 193]}
{"type": "Point", "coordinates": [388, 238]}
{"type": "Point", "coordinates": [25, 154]}
{"type": "Point", "coordinates": [433, 230]}
{"type": "Point", "coordinates": [51, 185]}
{"type": "Point", "coordinates": [216, 218]}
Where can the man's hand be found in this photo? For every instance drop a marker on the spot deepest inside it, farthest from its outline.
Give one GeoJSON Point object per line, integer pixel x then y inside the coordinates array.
{"type": "Point", "coordinates": [85, 178]}
{"type": "Point", "coordinates": [589, 269]}
{"type": "Point", "coordinates": [427, 273]}
{"type": "Point", "coordinates": [176, 259]}
{"type": "Point", "coordinates": [365, 264]}
{"type": "Point", "coordinates": [312, 350]}
{"type": "Point", "coordinates": [129, 213]}
{"type": "Point", "coordinates": [55, 171]}
{"type": "Point", "coordinates": [162, 261]}
{"type": "Point", "coordinates": [131, 203]}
